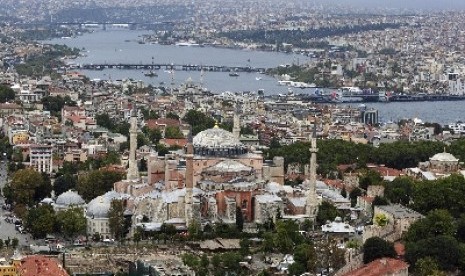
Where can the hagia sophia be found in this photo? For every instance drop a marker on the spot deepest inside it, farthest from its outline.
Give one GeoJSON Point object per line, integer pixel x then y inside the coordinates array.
{"type": "Point", "coordinates": [210, 180]}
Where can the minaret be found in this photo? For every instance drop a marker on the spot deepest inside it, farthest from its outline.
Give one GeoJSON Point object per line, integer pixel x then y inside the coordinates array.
{"type": "Point", "coordinates": [189, 180]}
{"type": "Point", "coordinates": [133, 171]}
{"type": "Point", "coordinates": [236, 124]}
{"type": "Point", "coordinates": [312, 201]}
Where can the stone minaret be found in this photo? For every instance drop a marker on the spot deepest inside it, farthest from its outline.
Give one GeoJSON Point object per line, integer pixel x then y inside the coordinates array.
{"type": "Point", "coordinates": [189, 180]}
{"type": "Point", "coordinates": [236, 124]}
{"type": "Point", "coordinates": [312, 201]}
{"type": "Point", "coordinates": [133, 171]}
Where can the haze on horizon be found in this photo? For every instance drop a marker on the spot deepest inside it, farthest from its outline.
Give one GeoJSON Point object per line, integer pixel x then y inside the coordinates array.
{"type": "Point", "coordinates": [430, 5]}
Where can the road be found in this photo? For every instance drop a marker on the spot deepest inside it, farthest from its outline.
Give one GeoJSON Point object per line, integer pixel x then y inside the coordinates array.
{"type": "Point", "coordinates": [7, 230]}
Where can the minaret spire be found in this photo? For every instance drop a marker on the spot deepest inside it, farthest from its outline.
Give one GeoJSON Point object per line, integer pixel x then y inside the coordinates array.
{"type": "Point", "coordinates": [189, 180]}
{"type": "Point", "coordinates": [312, 202]}
{"type": "Point", "coordinates": [133, 171]}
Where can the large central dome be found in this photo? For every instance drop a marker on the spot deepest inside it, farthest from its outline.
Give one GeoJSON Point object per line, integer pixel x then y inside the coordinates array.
{"type": "Point", "coordinates": [218, 142]}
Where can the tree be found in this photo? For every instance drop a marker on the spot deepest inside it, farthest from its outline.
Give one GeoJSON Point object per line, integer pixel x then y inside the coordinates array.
{"type": "Point", "coordinates": [116, 219]}
{"type": "Point", "coordinates": [344, 192]}
{"type": "Point", "coordinates": [40, 221]}
{"type": "Point", "coordinates": [6, 94]}
{"type": "Point", "coordinates": [427, 266]}
{"type": "Point", "coordinates": [194, 230]}
{"type": "Point", "coordinates": [239, 219]}
{"type": "Point", "coordinates": [444, 249]}
{"type": "Point", "coordinates": [381, 220]}
{"type": "Point", "coordinates": [379, 200]}
{"type": "Point", "coordinates": [143, 165]}
{"type": "Point", "coordinates": [437, 222]}
{"type": "Point", "coordinates": [173, 132]}
{"type": "Point", "coordinates": [198, 120]}
{"type": "Point", "coordinates": [353, 195]}
{"type": "Point", "coordinates": [137, 237]}
{"type": "Point", "coordinates": [97, 183]}
{"type": "Point", "coordinates": [64, 183]}
{"type": "Point", "coordinates": [71, 222]}
{"type": "Point", "coordinates": [172, 115]}
{"type": "Point", "coordinates": [28, 187]}
{"type": "Point", "coordinates": [370, 177]}
{"type": "Point", "coordinates": [375, 248]}
{"type": "Point", "coordinates": [305, 254]}
{"type": "Point", "coordinates": [329, 255]}
{"type": "Point", "coordinates": [14, 242]}
{"type": "Point", "coordinates": [399, 190]}
{"type": "Point", "coordinates": [326, 212]}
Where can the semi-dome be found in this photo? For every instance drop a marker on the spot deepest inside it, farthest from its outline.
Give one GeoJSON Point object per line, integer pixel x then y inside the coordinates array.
{"type": "Point", "coordinates": [444, 157]}
{"type": "Point", "coordinates": [69, 198]}
{"type": "Point", "coordinates": [218, 142]}
{"type": "Point", "coordinates": [98, 207]}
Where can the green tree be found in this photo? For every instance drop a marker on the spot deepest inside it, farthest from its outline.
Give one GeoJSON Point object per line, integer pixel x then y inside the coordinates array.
{"type": "Point", "coordinates": [375, 248]}
{"type": "Point", "coordinates": [172, 115]}
{"type": "Point", "coordinates": [370, 177]}
{"type": "Point", "coordinates": [28, 187]}
{"type": "Point", "coordinates": [14, 242]}
{"type": "Point", "coordinates": [446, 193]}
{"type": "Point", "coordinates": [55, 104]}
{"type": "Point", "coordinates": [353, 195]}
{"type": "Point", "coordinates": [173, 132]}
{"type": "Point", "coordinates": [97, 183]}
{"type": "Point", "coordinates": [194, 230]}
{"type": "Point", "coordinates": [437, 222]}
{"type": "Point", "coordinates": [116, 221]}
{"type": "Point", "coordinates": [198, 120]}
{"type": "Point", "coordinates": [444, 249]}
{"type": "Point", "coordinates": [326, 212]}
{"type": "Point", "coordinates": [306, 255]}
{"type": "Point", "coordinates": [71, 222]}
{"type": "Point", "coordinates": [427, 266]}
{"type": "Point", "coordinates": [40, 221]}
{"type": "Point", "coordinates": [399, 190]}
{"type": "Point", "coordinates": [6, 94]}
{"type": "Point", "coordinates": [137, 237]}
{"type": "Point", "coordinates": [64, 183]}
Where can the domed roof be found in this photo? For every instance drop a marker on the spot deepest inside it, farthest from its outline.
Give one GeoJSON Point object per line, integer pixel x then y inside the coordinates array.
{"type": "Point", "coordinates": [70, 198]}
{"type": "Point", "coordinates": [98, 207]}
{"type": "Point", "coordinates": [444, 157]}
{"type": "Point", "coordinates": [216, 138]}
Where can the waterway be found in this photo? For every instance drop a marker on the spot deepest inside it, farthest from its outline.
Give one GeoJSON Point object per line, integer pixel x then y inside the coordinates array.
{"type": "Point", "coordinates": [120, 46]}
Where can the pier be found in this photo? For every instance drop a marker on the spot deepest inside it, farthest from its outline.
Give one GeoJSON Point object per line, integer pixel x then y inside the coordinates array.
{"type": "Point", "coordinates": [170, 67]}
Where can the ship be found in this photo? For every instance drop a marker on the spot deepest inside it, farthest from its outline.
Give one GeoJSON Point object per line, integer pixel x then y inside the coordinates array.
{"type": "Point", "coordinates": [151, 74]}
{"type": "Point", "coordinates": [233, 74]}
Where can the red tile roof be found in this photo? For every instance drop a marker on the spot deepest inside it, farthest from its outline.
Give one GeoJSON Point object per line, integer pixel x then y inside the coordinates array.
{"type": "Point", "coordinates": [152, 124]}
{"type": "Point", "coordinates": [38, 265]}
{"type": "Point", "coordinates": [380, 267]}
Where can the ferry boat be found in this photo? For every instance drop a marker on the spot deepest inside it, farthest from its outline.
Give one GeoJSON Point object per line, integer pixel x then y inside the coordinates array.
{"type": "Point", "coordinates": [151, 74]}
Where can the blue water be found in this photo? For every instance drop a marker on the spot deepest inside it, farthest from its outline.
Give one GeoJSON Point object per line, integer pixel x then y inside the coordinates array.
{"type": "Point", "coordinates": [111, 47]}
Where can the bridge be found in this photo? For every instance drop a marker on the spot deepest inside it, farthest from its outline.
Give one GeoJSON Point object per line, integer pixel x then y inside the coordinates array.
{"type": "Point", "coordinates": [94, 25]}
{"type": "Point", "coordinates": [171, 67]}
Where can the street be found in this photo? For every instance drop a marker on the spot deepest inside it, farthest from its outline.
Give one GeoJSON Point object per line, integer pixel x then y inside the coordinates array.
{"type": "Point", "coordinates": [7, 230]}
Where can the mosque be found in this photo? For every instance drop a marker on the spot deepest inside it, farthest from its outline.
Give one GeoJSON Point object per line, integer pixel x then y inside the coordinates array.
{"type": "Point", "coordinates": [211, 180]}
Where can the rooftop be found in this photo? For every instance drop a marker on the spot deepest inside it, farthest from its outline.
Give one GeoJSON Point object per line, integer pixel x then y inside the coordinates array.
{"type": "Point", "coordinates": [380, 267]}
{"type": "Point", "coordinates": [399, 211]}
